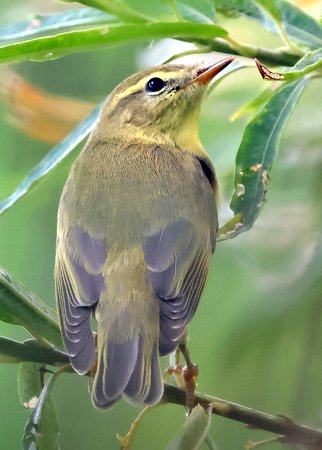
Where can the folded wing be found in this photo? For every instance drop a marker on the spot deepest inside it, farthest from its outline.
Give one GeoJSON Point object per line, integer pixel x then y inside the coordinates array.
{"type": "Point", "coordinates": [79, 283]}
{"type": "Point", "coordinates": [177, 258]}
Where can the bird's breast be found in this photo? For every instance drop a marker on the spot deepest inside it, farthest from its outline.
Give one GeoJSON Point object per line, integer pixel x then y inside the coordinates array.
{"type": "Point", "coordinates": [124, 190]}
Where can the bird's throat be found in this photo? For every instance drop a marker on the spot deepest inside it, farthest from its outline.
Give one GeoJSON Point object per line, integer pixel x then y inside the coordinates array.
{"type": "Point", "coordinates": [187, 137]}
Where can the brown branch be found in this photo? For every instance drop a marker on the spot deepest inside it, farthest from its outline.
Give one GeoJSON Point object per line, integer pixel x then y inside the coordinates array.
{"type": "Point", "coordinates": [289, 430]}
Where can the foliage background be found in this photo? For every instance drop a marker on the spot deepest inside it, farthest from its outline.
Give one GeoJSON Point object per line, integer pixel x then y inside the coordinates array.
{"type": "Point", "coordinates": [257, 335]}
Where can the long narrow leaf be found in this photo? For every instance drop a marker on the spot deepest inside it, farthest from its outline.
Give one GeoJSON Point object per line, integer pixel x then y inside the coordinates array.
{"type": "Point", "coordinates": [30, 383]}
{"type": "Point", "coordinates": [256, 155]}
{"type": "Point", "coordinates": [201, 11]}
{"type": "Point", "coordinates": [20, 307]}
{"type": "Point", "coordinates": [118, 8]}
{"type": "Point", "coordinates": [197, 10]}
{"type": "Point", "coordinates": [54, 157]}
{"type": "Point", "coordinates": [247, 8]}
{"type": "Point", "coordinates": [41, 431]}
{"type": "Point", "coordinates": [51, 47]}
{"type": "Point", "coordinates": [310, 62]}
{"type": "Point", "coordinates": [29, 351]}
{"type": "Point", "coordinates": [48, 24]}
{"type": "Point", "coordinates": [194, 431]}
{"type": "Point", "coordinates": [298, 25]}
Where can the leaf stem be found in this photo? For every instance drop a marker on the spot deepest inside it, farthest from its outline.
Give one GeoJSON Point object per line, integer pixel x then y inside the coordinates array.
{"type": "Point", "coordinates": [279, 57]}
{"type": "Point", "coordinates": [175, 11]}
{"type": "Point", "coordinates": [293, 47]}
{"type": "Point", "coordinates": [187, 53]}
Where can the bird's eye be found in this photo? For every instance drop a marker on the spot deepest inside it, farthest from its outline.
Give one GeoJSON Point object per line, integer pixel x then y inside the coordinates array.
{"type": "Point", "coordinates": [155, 85]}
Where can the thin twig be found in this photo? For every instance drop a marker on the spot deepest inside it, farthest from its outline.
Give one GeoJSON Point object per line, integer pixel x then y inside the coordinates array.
{"type": "Point", "coordinates": [273, 57]}
{"type": "Point", "coordinates": [291, 431]}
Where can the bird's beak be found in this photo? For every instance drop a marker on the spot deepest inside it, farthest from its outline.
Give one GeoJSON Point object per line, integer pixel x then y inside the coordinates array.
{"type": "Point", "coordinates": [208, 73]}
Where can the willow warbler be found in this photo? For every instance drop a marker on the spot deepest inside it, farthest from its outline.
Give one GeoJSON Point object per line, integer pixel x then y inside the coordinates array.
{"type": "Point", "coordinates": [137, 226]}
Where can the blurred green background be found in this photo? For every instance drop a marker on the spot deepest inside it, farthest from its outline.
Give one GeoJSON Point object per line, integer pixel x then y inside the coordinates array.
{"type": "Point", "coordinates": [257, 335]}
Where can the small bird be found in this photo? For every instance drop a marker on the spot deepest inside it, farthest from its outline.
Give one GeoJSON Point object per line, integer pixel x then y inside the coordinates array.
{"type": "Point", "coordinates": [136, 231]}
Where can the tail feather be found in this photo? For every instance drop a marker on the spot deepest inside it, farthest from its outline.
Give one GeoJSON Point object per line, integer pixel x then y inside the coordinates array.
{"type": "Point", "coordinates": [136, 388]}
{"type": "Point", "coordinates": [145, 384]}
{"type": "Point", "coordinates": [99, 396]}
{"type": "Point", "coordinates": [156, 388]}
{"type": "Point", "coordinates": [127, 368]}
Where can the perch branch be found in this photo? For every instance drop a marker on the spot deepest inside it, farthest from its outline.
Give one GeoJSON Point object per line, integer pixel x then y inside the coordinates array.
{"type": "Point", "coordinates": [289, 430]}
{"type": "Point", "coordinates": [272, 57]}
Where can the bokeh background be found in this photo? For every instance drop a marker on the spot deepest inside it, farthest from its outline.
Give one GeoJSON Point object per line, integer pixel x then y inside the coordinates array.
{"type": "Point", "coordinates": [257, 335]}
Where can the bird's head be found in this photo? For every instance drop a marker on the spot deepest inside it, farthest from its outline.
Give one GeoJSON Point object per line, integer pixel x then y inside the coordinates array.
{"type": "Point", "coordinates": [164, 99]}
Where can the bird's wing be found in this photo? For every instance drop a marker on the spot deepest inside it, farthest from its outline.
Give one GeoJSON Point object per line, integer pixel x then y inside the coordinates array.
{"type": "Point", "coordinates": [177, 258]}
{"type": "Point", "coordinates": [79, 283]}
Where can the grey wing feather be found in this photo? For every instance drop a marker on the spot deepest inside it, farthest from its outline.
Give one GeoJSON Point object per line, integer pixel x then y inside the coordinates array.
{"type": "Point", "coordinates": [79, 283]}
{"type": "Point", "coordinates": [177, 260]}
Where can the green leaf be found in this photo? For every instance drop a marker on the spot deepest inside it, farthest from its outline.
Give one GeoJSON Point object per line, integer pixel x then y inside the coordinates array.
{"type": "Point", "coordinates": [272, 8]}
{"type": "Point", "coordinates": [50, 47]}
{"type": "Point", "coordinates": [29, 351]}
{"type": "Point", "coordinates": [30, 383]}
{"type": "Point", "coordinates": [158, 10]}
{"type": "Point", "coordinates": [118, 8]}
{"type": "Point", "coordinates": [253, 105]}
{"type": "Point", "coordinates": [298, 25]}
{"type": "Point", "coordinates": [202, 11]}
{"type": "Point", "coordinates": [256, 155]}
{"type": "Point", "coordinates": [39, 24]}
{"type": "Point", "coordinates": [310, 62]}
{"type": "Point", "coordinates": [236, 8]}
{"type": "Point", "coordinates": [41, 430]}
{"type": "Point", "coordinates": [50, 161]}
{"type": "Point", "coordinates": [20, 307]}
{"type": "Point", "coordinates": [194, 431]}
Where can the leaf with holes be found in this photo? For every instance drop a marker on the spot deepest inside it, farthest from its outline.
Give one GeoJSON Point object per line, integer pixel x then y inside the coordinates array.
{"type": "Point", "coordinates": [256, 155]}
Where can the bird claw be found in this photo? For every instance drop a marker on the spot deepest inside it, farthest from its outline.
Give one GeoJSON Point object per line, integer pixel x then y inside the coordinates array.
{"type": "Point", "coordinates": [190, 374]}
{"type": "Point", "coordinates": [127, 440]}
{"type": "Point", "coordinates": [185, 376]}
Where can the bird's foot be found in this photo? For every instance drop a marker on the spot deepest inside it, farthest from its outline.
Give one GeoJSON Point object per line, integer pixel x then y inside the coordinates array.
{"type": "Point", "coordinates": [185, 376]}
{"type": "Point", "coordinates": [190, 374]}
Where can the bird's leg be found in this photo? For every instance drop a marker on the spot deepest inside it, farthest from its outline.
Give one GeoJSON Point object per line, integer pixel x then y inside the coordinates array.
{"type": "Point", "coordinates": [127, 440]}
{"type": "Point", "coordinates": [175, 368]}
{"type": "Point", "coordinates": [190, 374]}
{"type": "Point", "coordinates": [93, 369]}
{"type": "Point", "coordinates": [185, 375]}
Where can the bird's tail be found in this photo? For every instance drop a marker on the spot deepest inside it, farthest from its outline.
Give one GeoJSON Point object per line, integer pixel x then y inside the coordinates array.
{"type": "Point", "coordinates": [127, 362]}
